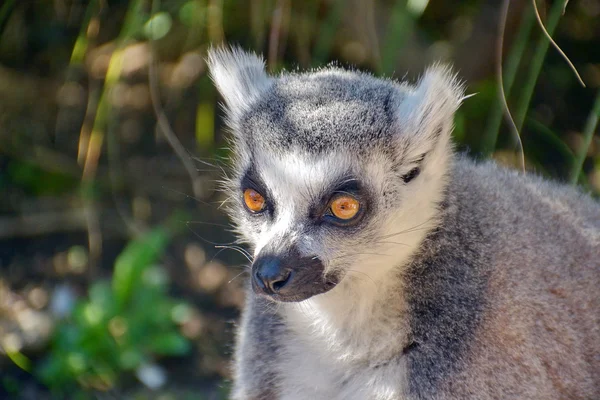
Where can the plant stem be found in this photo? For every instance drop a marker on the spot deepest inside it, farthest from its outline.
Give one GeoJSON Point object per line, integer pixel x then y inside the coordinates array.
{"type": "Point", "coordinates": [327, 32]}
{"type": "Point", "coordinates": [536, 64]}
{"type": "Point", "coordinates": [5, 13]}
{"type": "Point", "coordinates": [400, 25]}
{"type": "Point", "coordinates": [490, 136]}
{"type": "Point", "coordinates": [588, 134]}
{"type": "Point", "coordinates": [81, 44]}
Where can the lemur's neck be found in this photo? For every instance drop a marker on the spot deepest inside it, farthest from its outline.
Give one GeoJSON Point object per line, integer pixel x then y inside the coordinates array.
{"type": "Point", "coordinates": [353, 326]}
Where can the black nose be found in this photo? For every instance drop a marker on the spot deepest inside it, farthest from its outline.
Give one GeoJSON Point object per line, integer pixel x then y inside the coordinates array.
{"type": "Point", "coordinates": [270, 275]}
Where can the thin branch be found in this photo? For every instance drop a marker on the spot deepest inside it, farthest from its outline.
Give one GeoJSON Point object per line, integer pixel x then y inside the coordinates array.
{"type": "Point", "coordinates": [163, 121]}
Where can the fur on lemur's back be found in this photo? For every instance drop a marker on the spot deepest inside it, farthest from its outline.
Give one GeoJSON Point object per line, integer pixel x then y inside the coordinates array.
{"type": "Point", "coordinates": [508, 286]}
{"type": "Point", "coordinates": [461, 280]}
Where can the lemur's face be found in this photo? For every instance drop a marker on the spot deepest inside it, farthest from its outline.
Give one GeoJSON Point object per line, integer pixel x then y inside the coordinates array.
{"type": "Point", "coordinates": [330, 167]}
{"type": "Point", "coordinates": [309, 218]}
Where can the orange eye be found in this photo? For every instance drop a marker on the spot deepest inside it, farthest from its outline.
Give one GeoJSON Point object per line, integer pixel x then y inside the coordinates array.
{"type": "Point", "coordinates": [254, 200]}
{"type": "Point", "coordinates": [344, 207]}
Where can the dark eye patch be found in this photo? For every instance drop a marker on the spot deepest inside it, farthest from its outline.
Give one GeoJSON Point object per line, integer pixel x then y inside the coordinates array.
{"type": "Point", "coordinates": [251, 180]}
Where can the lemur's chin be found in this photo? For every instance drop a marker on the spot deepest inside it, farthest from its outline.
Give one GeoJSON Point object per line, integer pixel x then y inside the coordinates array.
{"type": "Point", "coordinates": [290, 278]}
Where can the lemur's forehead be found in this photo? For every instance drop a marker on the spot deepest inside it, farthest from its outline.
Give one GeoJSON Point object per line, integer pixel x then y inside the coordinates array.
{"type": "Point", "coordinates": [286, 173]}
{"type": "Point", "coordinates": [317, 112]}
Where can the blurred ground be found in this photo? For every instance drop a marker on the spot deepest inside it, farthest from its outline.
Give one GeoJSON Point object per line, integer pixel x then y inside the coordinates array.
{"type": "Point", "coordinates": [110, 128]}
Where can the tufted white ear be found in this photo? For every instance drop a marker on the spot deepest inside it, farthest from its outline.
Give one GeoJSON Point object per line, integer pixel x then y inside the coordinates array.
{"type": "Point", "coordinates": [425, 113]}
{"type": "Point", "coordinates": [240, 77]}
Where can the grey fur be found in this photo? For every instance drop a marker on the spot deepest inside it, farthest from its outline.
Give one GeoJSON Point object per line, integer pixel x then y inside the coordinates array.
{"type": "Point", "coordinates": [459, 280]}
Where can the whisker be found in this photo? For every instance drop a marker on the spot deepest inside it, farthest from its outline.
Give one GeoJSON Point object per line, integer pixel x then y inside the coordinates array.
{"type": "Point", "coordinates": [397, 243]}
{"type": "Point", "coordinates": [409, 230]}
{"type": "Point", "coordinates": [223, 248]}
{"type": "Point", "coordinates": [208, 223]}
{"type": "Point", "coordinates": [188, 196]}
{"type": "Point", "coordinates": [365, 274]}
{"type": "Point", "coordinates": [237, 276]}
{"type": "Point", "coordinates": [201, 161]}
{"type": "Point", "coordinates": [359, 254]}
{"type": "Point", "coordinates": [208, 241]}
{"type": "Point", "coordinates": [224, 201]}
{"type": "Point", "coordinates": [243, 266]}
{"type": "Point", "coordinates": [238, 249]}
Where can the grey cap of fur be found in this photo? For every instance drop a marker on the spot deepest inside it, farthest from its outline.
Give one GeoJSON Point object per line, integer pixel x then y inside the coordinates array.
{"type": "Point", "coordinates": [331, 105]}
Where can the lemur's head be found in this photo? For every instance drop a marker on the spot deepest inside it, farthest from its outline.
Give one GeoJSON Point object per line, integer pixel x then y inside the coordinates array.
{"type": "Point", "coordinates": [337, 174]}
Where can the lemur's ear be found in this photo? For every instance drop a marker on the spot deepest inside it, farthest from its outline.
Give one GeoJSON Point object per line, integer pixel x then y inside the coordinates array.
{"type": "Point", "coordinates": [425, 114]}
{"type": "Point", "coordinates": [240, 77]}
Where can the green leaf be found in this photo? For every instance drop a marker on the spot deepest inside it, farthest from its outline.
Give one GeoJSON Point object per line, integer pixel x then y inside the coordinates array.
{"type": "Point", "coordinates": [101, 294]}
{"type": "Point", "coordinates": [130, 359]}
{"type": "Point", "coordinates": [38, 181]}
{"type": "Point", "coordinates": [552, 138]}
{"type": "Point", "coordinates": [21, 360]}
{"type": "Point", "coordinates": [53, 369]}
{"type": "Point", "coordinates": [67, 337]}
{"type": "Point", "coordinates": [170, 343]}
{"type": "Point", "coordinates": [158, 26]}
{"type": "Point", "coordinates": [132, 262]}
{"type": "Point", "coordinates": [192, 12]}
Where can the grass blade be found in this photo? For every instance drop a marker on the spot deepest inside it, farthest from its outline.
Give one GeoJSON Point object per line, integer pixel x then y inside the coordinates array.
{"type": "Point", "coordinates": [588, 134]}
{"type": "Point", "coordinates": [5, 11]}
{"type": "Point", "coordinates": [327, 32]}
{"type": "Point", "coordinates": [400, 25]}
{"type": "Point", "coordinates": [490, 136]}
{"type": "Point", "coordinates": [536, 64]}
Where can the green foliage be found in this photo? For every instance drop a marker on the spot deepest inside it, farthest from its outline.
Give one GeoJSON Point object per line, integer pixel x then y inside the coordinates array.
{"type": "Point", "coordinates": [120, 326]}
{"type": "Point", "coordinates": [37, 181]}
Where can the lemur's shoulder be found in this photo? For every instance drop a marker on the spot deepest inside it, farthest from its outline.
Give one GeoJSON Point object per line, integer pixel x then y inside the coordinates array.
{"type": "Point", "coordinates": [515, 257]}
{"type": "Point", "coordinates": [505, 194]}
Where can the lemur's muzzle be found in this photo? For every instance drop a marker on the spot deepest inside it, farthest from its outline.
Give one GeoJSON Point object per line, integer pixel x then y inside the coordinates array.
{"type": "Point", "coordinates": [290, 277]}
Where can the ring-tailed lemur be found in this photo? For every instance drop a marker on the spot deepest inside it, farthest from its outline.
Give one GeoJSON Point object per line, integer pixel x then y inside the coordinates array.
{"type": "Point", "coordinates": [388, 267]}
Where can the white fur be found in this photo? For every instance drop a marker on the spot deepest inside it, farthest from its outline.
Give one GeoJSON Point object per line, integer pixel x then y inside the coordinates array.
{"type": "Point", "coordinates": [240, 77]}
{"type": "Point", "coordinates": [429, 107]}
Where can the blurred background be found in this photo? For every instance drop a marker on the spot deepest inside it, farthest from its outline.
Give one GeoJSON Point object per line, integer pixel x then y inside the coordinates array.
{"type": "Point", "coordinates": [119, 278]}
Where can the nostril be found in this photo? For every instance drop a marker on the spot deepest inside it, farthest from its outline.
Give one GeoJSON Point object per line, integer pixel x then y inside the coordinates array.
{"type": "Point", "coordinates": [278, 284]}
{"type": "Point", "coordinates": [258, 279]}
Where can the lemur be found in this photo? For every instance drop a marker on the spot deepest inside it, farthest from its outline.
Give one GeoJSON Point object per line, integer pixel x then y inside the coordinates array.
{"type": "Point", "coordinates": [387, 266]}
